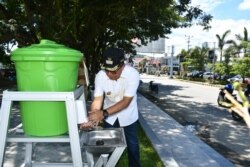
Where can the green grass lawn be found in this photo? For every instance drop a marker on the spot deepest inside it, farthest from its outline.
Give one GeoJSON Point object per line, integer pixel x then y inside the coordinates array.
{"type": "Point", "coordinates": [149, 157]}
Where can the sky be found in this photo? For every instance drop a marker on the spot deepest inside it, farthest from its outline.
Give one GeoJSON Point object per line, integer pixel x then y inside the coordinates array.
{"type": "Point", "coordinates": [231, 15]}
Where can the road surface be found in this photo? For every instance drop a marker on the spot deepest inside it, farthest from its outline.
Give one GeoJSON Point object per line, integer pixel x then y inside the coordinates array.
{"type": "Point", "coordinates": [195, 106]}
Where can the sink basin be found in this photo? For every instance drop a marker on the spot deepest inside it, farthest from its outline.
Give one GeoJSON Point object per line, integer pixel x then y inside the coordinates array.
{"type": "Point", "coordinates": [104, 141]}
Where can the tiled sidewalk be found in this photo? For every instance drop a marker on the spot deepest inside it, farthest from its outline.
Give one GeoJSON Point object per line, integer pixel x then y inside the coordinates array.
{"type": "Point", "coordinates": [176, 146]}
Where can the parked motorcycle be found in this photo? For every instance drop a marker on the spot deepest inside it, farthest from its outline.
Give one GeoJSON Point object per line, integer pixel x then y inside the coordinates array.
{"type": "Point", "coordinates": [222, 100]}
{"type": "Point", "coordinates": [226, 103]}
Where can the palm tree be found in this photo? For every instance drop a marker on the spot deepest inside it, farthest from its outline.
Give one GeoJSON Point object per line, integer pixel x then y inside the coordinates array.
{"type": "Point", "coordinates": [198, 57]}
{"type": "Point", "coordinates": [183, 62]}
{"type": "Point", "coordinates": [245, 41]}
{"type": "Point", "coordinates": [236, 48]}
{"type": "Point", "coordinates": [222, 41]}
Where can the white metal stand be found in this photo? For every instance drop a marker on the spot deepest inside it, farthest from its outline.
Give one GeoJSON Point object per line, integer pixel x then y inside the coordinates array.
{"type": "Point", "coordinates": [105, 159]}
{"type": "Point", "coordinates": [71, 100]}
{"type": "Point", "coordinates": [73, 138]}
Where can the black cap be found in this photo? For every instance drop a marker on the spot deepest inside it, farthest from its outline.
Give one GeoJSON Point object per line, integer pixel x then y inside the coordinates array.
{"type": "Point", "coordinates": [112, 59]}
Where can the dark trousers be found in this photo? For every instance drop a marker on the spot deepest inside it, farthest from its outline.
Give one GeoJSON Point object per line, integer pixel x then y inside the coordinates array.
{"type": "Point", "coordinates": [132, 142]}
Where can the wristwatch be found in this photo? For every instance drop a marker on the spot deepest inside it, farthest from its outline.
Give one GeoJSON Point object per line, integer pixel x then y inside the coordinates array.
{"type": "Point", "coordinates": [105, 114]}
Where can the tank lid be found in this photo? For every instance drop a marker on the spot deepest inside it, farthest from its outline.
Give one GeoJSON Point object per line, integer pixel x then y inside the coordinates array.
{"type": "Point", "coordinates": [46, 50]}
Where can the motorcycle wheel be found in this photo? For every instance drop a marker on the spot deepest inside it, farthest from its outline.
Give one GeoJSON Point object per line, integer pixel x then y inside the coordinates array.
{"type": "Point", "coordinates": [236, 116]}
{"type": "Point", "coordinates": [219, 99]}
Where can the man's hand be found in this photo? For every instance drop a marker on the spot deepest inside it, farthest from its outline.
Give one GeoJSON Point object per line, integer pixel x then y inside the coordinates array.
{"type": "Point", "coordinates": [88, 125]}
{"type": "Point", "coordinates": [94, 118]}
{"type": "Point", "coordinates": [96, 115]}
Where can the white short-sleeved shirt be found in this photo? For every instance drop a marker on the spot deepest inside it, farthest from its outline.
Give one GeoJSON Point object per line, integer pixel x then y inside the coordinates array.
{"type": "Point", "coordinates": [114, 91]}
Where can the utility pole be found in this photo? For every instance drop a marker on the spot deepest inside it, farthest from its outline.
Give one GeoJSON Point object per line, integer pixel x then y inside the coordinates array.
{"type": "Point", "coordinates": [171, 63]}
{"type": "Point", "coordinates": [214, 60]}
{"type": "Point", "coordinates": [188, 41]}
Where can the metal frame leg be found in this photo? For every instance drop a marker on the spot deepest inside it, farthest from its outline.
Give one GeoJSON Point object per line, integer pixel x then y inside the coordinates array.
{"type": "Point", "coordinates": [113, 159]}
{"type": "Point", "coordinates": [105, 159]}
{"type": "Point", "coordinates": [73, 132]}
{"type": "Point", "coordinates": [4, 122]}
{"type": "Point", "coordinates": [102, 160]}
{"type": "Point", "coordinates": [28, 155]}
{"type": "Point", "coordinates": [90, 159]}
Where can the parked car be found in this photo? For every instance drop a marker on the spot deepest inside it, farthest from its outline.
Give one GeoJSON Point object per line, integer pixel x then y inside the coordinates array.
{"type": "Point", "coordinates": [201, 74]}
{"type": "Point", "coordinates": [189, 74]}
{"type": "Point", "coordinates": [217, 76]}
{"type": "Point", "coordinates": [195, 74]}
{"type": "Point", "coordinates": [239, 78]}
{"type": "Point", "coordinates": [207, 75]}
{"type": "Point", "coordinates": [225, 77]}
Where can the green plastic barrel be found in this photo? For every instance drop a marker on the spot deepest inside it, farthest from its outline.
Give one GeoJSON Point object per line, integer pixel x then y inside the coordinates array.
{"type": "Point", "coordinates": [45, 67]}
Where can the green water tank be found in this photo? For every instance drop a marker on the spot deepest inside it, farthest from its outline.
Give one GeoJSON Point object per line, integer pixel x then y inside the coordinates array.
{"type": "Point", "coordinates": [45, 67]}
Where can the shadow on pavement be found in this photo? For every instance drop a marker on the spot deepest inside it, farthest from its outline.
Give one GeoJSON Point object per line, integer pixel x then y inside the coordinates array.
{"type": "Point", "coordinates": [203, 124]}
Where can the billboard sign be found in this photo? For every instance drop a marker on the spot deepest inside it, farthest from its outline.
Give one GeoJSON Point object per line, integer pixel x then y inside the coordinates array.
{"type": "Point", "coordinates": [152, 47]}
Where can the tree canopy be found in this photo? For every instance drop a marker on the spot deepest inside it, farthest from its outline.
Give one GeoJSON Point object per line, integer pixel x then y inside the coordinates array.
{"type": "Point", "coordinates": [92, 26]}
{"type": "Point", "coordinates": [241, 66]}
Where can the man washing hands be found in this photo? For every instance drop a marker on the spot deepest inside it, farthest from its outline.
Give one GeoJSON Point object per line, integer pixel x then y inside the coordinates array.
{"type": "Point", "coordinates": [115, 100]}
